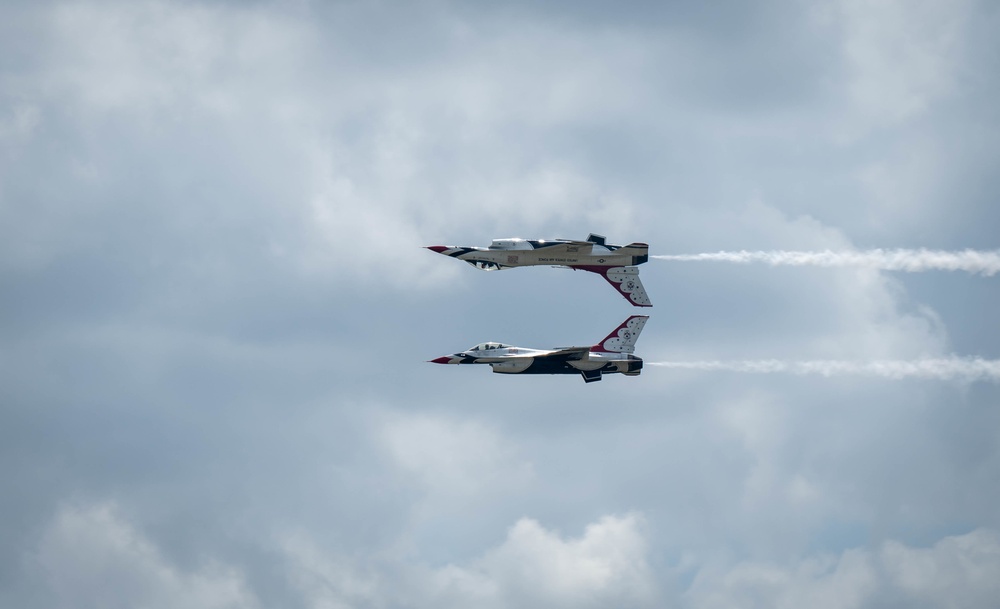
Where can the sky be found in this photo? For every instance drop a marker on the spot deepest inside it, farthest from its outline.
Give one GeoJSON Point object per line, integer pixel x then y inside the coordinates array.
{"type": "Point", "coordinates": [216, 315]}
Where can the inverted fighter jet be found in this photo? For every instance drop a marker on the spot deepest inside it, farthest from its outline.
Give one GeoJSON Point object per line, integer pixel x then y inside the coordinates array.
{"type": "Point", "coordinates": [613, 354]}
{"type": "Point", "coordinates": [616, 263]}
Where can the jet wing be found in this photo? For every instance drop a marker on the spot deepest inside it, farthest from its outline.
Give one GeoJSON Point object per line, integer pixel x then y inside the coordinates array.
{"type": "Point", "coordinates": [566, 353]}
{"type": "Point", "coordinates": [577, 243]}
{"type": "Point", "coordinates": [562, 353]}
{"type": "Point", "coordinates": [563, 247]}
{"type": "Point", "coordinates": [501, 358]}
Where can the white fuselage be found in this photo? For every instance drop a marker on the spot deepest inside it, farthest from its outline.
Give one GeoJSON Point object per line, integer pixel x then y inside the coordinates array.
{"type": "Point", "coordinates": [613, 354]}
{"type": "Point", "coordinates": [616, 263]}
{"type": "Point", "coordinates": [512, 360]}
{"type": "Point", "coordinates": [521, 252]}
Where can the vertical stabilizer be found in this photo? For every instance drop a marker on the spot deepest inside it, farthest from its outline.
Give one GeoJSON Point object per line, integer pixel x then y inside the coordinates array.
{"type": "Point", "coordinates": [626, 280]}
{"type": "Point", "coordinates": [622, 340]}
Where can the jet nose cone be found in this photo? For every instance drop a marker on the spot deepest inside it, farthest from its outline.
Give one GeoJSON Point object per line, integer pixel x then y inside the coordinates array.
{"type": "Point", "coordinates": [444, 359]}
{"type": "Point", "coordinates": [438, 248]}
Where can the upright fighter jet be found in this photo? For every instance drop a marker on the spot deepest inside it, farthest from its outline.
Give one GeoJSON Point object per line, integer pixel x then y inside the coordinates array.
{"type": "Point", "coordinates": [616, 263]}
{"type": "Point", "coordinates": [613, 354]}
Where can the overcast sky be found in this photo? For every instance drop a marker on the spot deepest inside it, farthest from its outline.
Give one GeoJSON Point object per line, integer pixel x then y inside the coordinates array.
{"type": "Point", "coordinates": [215, 314]}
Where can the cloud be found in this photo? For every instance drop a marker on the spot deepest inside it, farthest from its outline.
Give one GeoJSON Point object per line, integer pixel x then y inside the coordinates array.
{"type": "Point", "coordinates": [534, 567]}
{"type": "Point", "coordinates": [89, 556]}
{"type": "Point", "coordinates": [161, 63]}
{"type": "Point", "coordinates": [901, 56]}
{"type": "Point", "coordinates": [232, 88]}
{"type": "Point", "coordinates": [957, 571]}
{"type": "Point", "coordinates": [324, 580]}
{"type": "Point", "coordinates": [461, 458]}
{"type": "Point", "coordinates": [464, 475]}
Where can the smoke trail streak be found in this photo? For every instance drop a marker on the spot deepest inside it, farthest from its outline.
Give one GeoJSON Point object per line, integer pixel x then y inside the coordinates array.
{"type": "Point", "coordinates": [972, 261]}
{"type": "Point", "coordinates": [952, 368]}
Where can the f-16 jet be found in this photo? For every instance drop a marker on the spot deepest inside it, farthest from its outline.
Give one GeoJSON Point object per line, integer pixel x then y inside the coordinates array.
{"type": "Point", "coordinates": [611, 355]}
{"type": "Point", "coordinates": [616, 263]}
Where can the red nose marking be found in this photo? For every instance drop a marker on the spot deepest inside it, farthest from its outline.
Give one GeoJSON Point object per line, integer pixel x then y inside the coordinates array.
{"type": "Point", "coordinates": [444, 359]}
{"type": "Point", "coordinates": [438, 248]}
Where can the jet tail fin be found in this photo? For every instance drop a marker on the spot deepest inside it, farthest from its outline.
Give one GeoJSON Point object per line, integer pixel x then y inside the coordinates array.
{"type": "Point", "coordinates": [622, 339]}
{"type": "Point", "coordinates": [625, 279]}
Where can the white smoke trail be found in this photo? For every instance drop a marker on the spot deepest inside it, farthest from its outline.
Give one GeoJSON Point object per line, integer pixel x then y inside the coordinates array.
{"type": "Point", "coordinates": [972, 261]}
{"type": "Point", "coordinates": [952, 368]}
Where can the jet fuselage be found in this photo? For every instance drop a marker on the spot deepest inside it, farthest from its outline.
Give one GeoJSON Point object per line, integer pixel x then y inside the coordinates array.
{"type": "Point", "coordinates": [616, 263]}
{"type": "Point", "coordinates": [611, 355]}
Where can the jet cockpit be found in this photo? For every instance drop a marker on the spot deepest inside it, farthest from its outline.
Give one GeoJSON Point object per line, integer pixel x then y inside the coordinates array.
{"type": "Point", "coordinates": [481, 347]}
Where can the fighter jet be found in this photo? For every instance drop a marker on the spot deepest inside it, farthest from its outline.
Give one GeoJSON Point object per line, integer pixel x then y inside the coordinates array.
{"type": "Point", "coordinates": [616, 263]}
{"type": "Point", "coordinates": [613, 354]}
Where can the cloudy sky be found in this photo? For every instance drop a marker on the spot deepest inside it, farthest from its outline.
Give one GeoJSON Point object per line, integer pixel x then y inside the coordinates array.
{"type": "Point", "coordinates": [215, 314]}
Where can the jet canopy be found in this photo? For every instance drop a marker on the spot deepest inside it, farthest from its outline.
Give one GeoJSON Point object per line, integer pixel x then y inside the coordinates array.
{"type": "Point", "coordinates": [488, 347]}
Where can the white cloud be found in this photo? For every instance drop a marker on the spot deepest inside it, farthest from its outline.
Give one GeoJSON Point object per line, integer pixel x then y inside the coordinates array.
{"type": "Point", "coordinates": [325, 581]}
{"type": "Point", "coordinates": [437, 157]}
{"type": "Point", "coordinates": [535, 567]}
{"type": "Point", "coordinates": [959, 571]}
{"type": "Point", "coordinates": [455, 459]}
{"type": "Point", "coordinates": [158, 61]}
{"type": "Point", "coordinates": [89, 556]}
